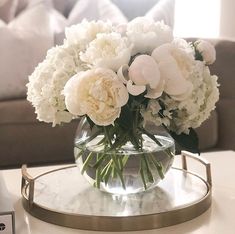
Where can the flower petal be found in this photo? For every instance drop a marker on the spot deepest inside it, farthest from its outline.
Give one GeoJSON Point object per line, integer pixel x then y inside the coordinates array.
{"type": "Point", "coordinates": [135, 90]}
{"type": "Point", "coordinates": [123, 73]}
{"type": "Point", "coordinates": [155, 93]}
{"type": "Point", "coordinates": [144, 71]}
{"type": "Point", "coordinates": [70, 92]}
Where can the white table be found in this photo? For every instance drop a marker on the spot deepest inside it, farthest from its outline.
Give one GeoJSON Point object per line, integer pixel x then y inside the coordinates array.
{"type": "Point", "coordinates": [219, 219]}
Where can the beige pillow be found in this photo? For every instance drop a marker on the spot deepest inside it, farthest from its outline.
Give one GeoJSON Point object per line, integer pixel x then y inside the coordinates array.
{"type": "Point", "coordinates": [24, 43]}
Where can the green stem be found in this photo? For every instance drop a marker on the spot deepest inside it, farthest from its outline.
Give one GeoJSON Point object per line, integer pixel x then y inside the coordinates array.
{"type": "Point", "coordinates": [151, 136]}
{"type": "Point", "coordinates": [107, 136]}
{"type": "Point", "coordinates": [104, 171]}
{"type": "Point", "coordinates": [86, 163]}
{"type": "Point", "coordinates": [99, 161]}
{"type": "Point", "coordinates": [107, 174]}
{"type": "Point", "coordinates": [142, 172]}
{"type": "Point", "coordinates": [158, 166]}
{"type": "Point", "coordinates": [98, 174]}
{"type": "Point", "coordinates": [148, 170]}
{"type": "Point", "coordinates": [117, 169]}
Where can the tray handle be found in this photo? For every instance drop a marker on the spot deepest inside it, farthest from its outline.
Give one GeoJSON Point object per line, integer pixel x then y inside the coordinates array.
{"type": "Point", "coordinates": [186, 154]}
{"type": "Point", "coordinates": [27, 180]}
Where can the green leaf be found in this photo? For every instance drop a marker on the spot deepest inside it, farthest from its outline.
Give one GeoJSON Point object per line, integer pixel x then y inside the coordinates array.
{"type": "Point", "coordinates": [187, 141]}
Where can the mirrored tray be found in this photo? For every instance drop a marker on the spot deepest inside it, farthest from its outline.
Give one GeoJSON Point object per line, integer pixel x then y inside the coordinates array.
{"type": "Point", "coordinates": [64, 198]}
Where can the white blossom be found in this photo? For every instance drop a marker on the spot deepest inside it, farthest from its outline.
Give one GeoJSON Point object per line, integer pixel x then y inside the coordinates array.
{"type": "Point", "coordinates": [108, 50]}
{"type": "Point", "coordinates": [144, 74]}
{"type": "Point", "coordinates": [99, 65]}
{"type": "Point", "coordinates": [98, 93]}
{"type": "Point", "coordinates": [193, 111]}
{"type": "Point", "coordinates": [85, 32]}
{"type": "Point", "coordinates": [175, 65]}
{"type": "Point", "coordinates": [146, 35]}
{"type": "Point", "coordinates": [207, 50]}
{"type": "Point", "coordinates": [47, 82]}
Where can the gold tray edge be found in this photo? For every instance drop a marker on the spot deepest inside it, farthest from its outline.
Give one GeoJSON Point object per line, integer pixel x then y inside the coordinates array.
{"type": "Point", "coordinates": [117, 223]}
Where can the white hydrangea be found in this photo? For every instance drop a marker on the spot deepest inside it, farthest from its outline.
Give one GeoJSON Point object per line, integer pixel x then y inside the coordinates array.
{"type": "Point", "coordinates": [146, 35]}
{"type": "Point", "coordinates": [151, 114]}
{"type": "Point", "coordinates": [193, 111]}
{"type": "Point", "coordinates": [108, 50]}
{"type": "Point", "coordinates": [48, 80]}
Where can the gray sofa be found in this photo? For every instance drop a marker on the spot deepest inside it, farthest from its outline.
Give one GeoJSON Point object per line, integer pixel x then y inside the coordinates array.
{"type": "Point", "coordinates": [25, 140]}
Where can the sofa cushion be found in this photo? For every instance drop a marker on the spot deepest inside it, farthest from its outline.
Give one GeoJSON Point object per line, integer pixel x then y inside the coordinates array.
{"type": "Point", "coordinates": [24, 139]}
{"type": "Point", "coordinates": [96, 10]}
{"type": "Point", "coordinates": [164, 10]}
{"type": "Point", "coordinates": [36, 143]}
{"type": "Point", "coordinates": [16, 112]}
{"type": "Point", "coordinates": [226, 110]}
{"type": "Point", "coordinates": [135, 8]}
{"type": "Point", "coordinates": [23, 46]}
{"type": "Point", "coordinates": [208, 132]}
{"type": "Point", "coordinates": [64, 7]}
{"type": "Point", "coordinates": [155, 9]}
{"type": "Point", "coordinates": [224, 67]}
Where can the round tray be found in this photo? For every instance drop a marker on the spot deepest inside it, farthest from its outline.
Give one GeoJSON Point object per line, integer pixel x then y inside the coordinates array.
{"type": "Point", "coordinates": [63, 197]}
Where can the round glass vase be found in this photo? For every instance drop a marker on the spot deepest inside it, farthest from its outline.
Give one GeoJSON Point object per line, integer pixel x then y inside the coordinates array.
{"type": "Point", "coordinates": [123, 170]}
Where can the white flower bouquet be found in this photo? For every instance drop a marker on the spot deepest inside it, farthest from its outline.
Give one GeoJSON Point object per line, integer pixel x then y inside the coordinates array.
{"type": "Point", "coordinates": [121, 77]}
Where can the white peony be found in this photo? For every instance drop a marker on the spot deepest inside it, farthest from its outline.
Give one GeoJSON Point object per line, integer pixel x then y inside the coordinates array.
{"type": "Point", "coordinates": [98, 93]}
{"type": "Point", "coordinates": [85, 32]}
{"type": "Point", "coordinates": [175, 65]}
{"type": "Point", "coordinates": [207, 50]}
{"type": "Point", "coordinates": [146, 34]}
{"type": "Point", "coordinates": [144, 72]}
{"type": "Point", "coordinates": [108, 50]}
{"type": "Point", "coordinates": [48, 80]}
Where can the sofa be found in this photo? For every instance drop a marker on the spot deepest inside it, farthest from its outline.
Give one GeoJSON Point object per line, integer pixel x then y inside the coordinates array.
{"type": "Point", "coordinates": [23, 139]}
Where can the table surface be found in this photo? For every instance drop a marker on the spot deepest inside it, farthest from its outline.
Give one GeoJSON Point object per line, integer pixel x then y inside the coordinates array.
{"type": "Point", "coordinates": [218, 219]}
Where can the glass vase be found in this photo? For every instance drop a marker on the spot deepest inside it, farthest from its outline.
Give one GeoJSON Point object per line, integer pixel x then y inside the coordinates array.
{"type": "Point", "coordinates": [125, 169]}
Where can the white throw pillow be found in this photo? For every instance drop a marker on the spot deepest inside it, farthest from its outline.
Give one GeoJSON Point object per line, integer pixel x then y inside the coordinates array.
{"type": "Point", "coordinates": [2, 23]}
{"type": "Point", "coordinates": [164, 10]}
{"type": "Point", "coordinates": [96, 10]}
{"type": "Point", "coordinates": [24, 43]}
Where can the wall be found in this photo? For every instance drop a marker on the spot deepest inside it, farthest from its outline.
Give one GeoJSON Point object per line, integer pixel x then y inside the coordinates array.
{"type": "Point", "coordinates": [205, 18]}
{"type": "Point", "coordinates": [227, 19]}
